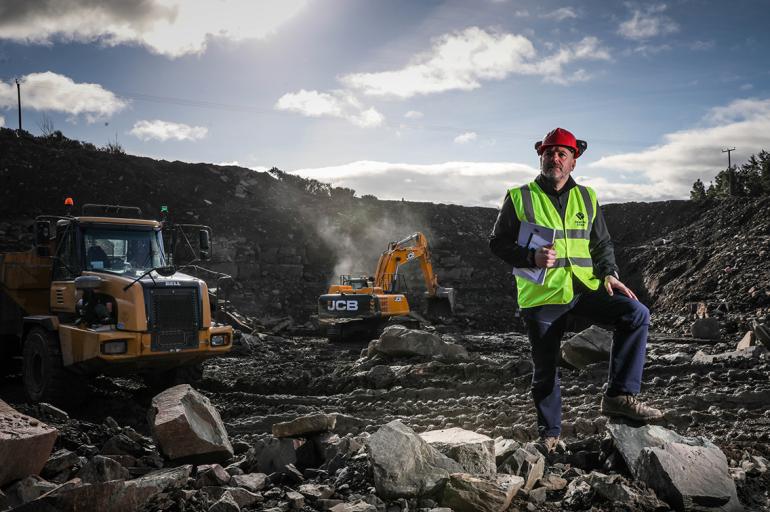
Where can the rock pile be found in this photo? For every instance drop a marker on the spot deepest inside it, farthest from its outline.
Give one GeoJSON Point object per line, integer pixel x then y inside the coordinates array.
{"type": "Point", "coordinates": [306, 465]}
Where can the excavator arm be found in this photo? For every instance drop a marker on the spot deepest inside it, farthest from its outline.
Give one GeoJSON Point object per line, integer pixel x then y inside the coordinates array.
{"type": "Point", "coordinates": [413, 247]}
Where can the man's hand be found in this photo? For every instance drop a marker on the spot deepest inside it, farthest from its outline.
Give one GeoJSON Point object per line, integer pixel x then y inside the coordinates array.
{"type": "Point", "coordinates": [545, 257]}
{"type": "Point", "coordinates": [611, 282]}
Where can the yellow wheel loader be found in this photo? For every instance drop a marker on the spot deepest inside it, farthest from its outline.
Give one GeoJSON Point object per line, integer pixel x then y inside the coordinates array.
{"type": "Point", "coordinates": [359, 307]}
{"type": "Point", "coordinates": [99, 294]}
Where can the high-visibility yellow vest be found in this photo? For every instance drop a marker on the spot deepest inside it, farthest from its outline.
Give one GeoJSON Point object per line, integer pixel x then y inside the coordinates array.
{"type": "Point", "coordinates": [573, 235]}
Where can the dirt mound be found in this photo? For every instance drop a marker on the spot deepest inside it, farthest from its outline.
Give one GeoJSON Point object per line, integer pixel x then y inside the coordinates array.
{"type": "Point", "coordinates": [715, 253]}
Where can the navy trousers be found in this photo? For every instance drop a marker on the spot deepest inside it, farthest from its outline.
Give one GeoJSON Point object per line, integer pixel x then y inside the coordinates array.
{"type": "Point", "coordinates": [545, 324]}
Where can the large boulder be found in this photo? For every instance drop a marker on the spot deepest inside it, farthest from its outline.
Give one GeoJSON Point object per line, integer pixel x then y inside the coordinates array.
{"type": "Point", "coordinates": [404, 465]}
{"type": "Point", "coordinates": [24, 440]}
{"type": "Point", "coordinates": [138, 491]}
{"type": "Point", "coordinates": [689, 477]}
{"type": "Point", "coordinates": [187, 427]}
{"type": "Point", "coordinates": [592, 345]}
{"type": "Point", "coordinates": [629, 440]}
{"type": "Point", "coordinates": [399, 341]}
{"type": "Point", "coordinates": [27, 489]}
{"type": "Point", "coordinates": [102, 469]}
{"type": "Point", "coordinates": [752, 352]}
{"type": "Point", "coordinates": [762, 333]}
{"type": "Point", "coordinates": [706, 329]}
{"type": "Point", "coordinates": [74, 495]}
{"type": "Point", "coordinates": [253, 482]}
{"type": "Point", "coordinates": [271, 455]}
{"type": "Point", "coordinates": [60, 463]}
{"type": "Point", "coordinates": [304, 425]}
{"type": "Point", "coordinates": [526, 462]}
{"type": "Point", "coordinates": [475, 452]}
{"type": "Point", "coordinates": [504, 447]}
{"type": "Point", "coordinates": [468, 493]}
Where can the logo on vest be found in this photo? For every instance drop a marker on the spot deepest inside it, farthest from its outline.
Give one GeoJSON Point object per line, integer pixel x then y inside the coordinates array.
{"type": "Point", "coordinates": [581, 220]}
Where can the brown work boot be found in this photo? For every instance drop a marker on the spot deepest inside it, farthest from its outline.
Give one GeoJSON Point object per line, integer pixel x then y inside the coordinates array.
{"type": "Point", "coordinates": [548, 444]}
{"type": "Point", "coordinates": [628, 406]}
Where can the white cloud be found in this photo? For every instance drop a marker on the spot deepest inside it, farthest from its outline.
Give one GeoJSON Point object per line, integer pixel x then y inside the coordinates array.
{"type": "Point", "coordinates": [552, 67]}
{"type": "Point", "coordinates": [58, 93]}
{"type": "Point", "coordinates": [466, 137]}
{"type": "Point", "coordinates": [2, 121]}
{"type": "Point", "coordinates": [648, 50]}
{"type": "Point", "coordinates": [237, 163]}
{"type": "Point", "coordinates": [462, 60]}
{"type": "Point", "coordinates": [648, 23]}
{"type": "Point", "coordinates": [168, 27]}
{"type": "Point", "coordinates": [467, 183]}
{"type": "Point", "coordinates": [702, 45]}
{"type": "Point", "coordinates": [414, 114]}
{"type": "Point", "coordinates": [561, 14]}
{"type": "Point", "coordinates": [696, 153]}
{"type": "Point", "coordinates": [165, 130]}
{"type": "Point", "coordinates": [341, 104]}
{"type": "Point", "coordinates": [367, 118]}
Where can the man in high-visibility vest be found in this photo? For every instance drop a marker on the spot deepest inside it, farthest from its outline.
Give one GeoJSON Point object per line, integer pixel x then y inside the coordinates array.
{"type": "Point", "coordinates": [581, 279]}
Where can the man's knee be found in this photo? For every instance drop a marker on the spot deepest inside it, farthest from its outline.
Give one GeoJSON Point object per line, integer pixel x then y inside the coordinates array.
{"type": "Point", "coordinates": [544, 380]}
{"type": "Point", "coordinates": [636, 316]}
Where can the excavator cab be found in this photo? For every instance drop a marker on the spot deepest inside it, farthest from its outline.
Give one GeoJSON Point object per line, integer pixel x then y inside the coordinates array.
{"type": "Point", "coordinates": [358, 283]}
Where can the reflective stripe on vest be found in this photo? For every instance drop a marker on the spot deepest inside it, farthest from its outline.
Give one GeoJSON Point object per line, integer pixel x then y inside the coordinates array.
{"type": "Point", "coordinates": [571, 242]}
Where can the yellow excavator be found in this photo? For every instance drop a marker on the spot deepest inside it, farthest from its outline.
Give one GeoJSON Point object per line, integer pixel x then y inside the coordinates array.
{"type": "Point", "coordinates": [360, 306]}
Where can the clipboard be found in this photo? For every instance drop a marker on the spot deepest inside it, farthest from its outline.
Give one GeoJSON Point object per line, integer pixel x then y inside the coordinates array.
{"type": "Point", "coordinates": [533, 236]}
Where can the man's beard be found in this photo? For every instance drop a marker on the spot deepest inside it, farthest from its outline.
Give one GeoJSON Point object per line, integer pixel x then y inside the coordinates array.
{"type": "Point", "coordinates": [552, 173]}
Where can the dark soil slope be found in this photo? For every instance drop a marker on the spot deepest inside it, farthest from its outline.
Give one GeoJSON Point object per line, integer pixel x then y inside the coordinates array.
{"type": "Point", "coordinates": [285, 238]}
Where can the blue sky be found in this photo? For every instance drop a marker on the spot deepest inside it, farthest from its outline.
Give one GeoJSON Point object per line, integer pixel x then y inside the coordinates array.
{"type": "Point", "coordinates": [426, 100]}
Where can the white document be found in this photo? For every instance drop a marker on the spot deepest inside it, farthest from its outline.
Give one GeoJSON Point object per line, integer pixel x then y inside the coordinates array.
{"type": "Point", "coordinates": [533, 236]}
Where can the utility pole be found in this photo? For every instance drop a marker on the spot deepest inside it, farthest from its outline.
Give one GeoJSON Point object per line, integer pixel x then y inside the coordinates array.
{"type": "Point", "coordinates": [728, 151]}
{"type": "Point", "coordinates": [730, 177]}
{"type": "Point", "coordinates": [18, 94]}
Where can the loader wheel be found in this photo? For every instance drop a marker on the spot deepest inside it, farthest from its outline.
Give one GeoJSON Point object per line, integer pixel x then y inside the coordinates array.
{"type": "Point", "coordinates": [45, 378]}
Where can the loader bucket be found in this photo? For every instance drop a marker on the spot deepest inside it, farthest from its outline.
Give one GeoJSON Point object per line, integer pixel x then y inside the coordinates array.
{"type": "Point", "coordinates": [443, 304]}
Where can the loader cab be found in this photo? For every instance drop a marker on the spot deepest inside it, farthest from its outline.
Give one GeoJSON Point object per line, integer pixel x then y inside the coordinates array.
{"type": "Point", "coordinates": [126, 250]}
{"type": "Point", "coordinates": [112, 246]}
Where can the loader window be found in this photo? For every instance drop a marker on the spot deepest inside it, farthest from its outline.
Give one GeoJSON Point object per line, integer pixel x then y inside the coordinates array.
{"type": "Point", "coordinates": [66, 265]}
{"type": "Point", "coordinates": [123, 251]}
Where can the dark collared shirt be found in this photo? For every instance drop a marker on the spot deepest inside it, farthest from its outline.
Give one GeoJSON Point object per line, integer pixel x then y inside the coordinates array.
{"type": "Point", "coordinates": [502, 240]}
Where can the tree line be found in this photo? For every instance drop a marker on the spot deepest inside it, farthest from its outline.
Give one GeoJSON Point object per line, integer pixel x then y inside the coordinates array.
{"type": "Point", "coordinates": [751, 179]}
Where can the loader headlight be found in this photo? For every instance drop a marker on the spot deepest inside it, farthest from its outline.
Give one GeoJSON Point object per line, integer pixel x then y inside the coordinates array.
{"type": "Point", "coordinates": [219, 340]}
{"type": "Point", "coordinates": [115, 347]}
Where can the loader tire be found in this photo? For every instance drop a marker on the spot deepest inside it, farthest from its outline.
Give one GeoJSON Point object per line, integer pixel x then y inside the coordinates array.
{"type": "Point", "coordinates": [44, 375]}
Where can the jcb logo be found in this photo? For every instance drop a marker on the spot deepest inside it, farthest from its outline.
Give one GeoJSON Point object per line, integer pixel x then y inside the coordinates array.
{"type": "Point", "coordinates": [342, 305]}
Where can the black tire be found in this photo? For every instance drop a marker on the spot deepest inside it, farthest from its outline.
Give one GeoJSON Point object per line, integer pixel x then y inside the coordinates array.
{"type": "Point", "coordinates": [45, 378]}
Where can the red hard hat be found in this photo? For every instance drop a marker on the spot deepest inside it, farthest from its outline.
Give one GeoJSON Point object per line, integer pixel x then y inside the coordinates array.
{"type": "Point", "coordinates": [561, 137]}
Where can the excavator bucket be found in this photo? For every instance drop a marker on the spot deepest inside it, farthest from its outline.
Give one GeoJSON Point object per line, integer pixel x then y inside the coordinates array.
{"type": "Point", "coordinates": [443, 304]}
